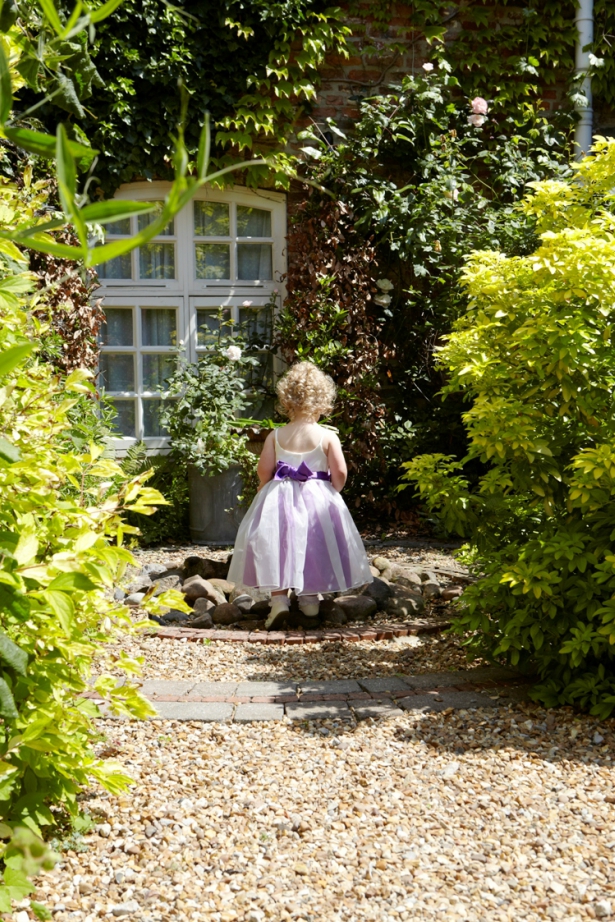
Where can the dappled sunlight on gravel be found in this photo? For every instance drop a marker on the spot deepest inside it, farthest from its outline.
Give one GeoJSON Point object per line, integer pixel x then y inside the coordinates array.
{"type": "Point", "coordinates": [467, 815]}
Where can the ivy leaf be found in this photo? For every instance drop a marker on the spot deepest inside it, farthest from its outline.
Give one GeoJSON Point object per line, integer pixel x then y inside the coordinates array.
{"type": "Point", "coordinates": [312, 152]}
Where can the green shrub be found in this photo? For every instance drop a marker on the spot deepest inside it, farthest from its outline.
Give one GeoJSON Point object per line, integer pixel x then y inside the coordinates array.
{"type": "Point", "coordinates": [61, 535]}
{"type": "Point", "coordinates": [534, 353]}
{"type": "Point", "coordinates": [170, 523]}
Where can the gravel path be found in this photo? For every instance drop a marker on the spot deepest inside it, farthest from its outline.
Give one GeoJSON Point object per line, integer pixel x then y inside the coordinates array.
{"type": "Point", "coordinates": [481, 815]}
{"type": "Point", "coordinates": [473, 815]}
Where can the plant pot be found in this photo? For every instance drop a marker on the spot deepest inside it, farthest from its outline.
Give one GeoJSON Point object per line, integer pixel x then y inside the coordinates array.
{"type": "Point", "coordinates": [214, 511]}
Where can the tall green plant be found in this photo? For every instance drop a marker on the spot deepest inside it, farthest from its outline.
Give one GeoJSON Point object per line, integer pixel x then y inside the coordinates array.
{"type": "Point", "coordinates": [534, 356]}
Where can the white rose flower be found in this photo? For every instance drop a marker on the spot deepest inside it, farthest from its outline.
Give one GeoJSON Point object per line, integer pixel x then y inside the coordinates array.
{"type": "Point", "coordinates": [385, 285]}
{"type": "Point", "coordinates": [594, 61]}
{"type": "Point", "coordinates": [247, 303]}
{"type": "Point", "coordinates": [476, 120]}
{"type": "Point", "coordinates": [233, 353]}
{"type": "Point", "coordinates": [427, 66]}
{"type": "Point", "coordinates": [383, 300]}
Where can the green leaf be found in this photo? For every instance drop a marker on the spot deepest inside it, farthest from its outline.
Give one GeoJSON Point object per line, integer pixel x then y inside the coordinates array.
{"type": "Point", "coordinates": [105, 10]}
{"type": "Point", "coordinates": [202, 162]}
{"type": "Point", "coordinates": [5, 899]}
{"type": "Point", "coordinates": [6, 91]}
{"type": "Point", "coordinates": [45, 144]}
{"type": "Point", "coordinates": [8, 452]}
{"type": "Point", "coordinates": [73, 580]}
{"type": "Point", "coordinates": [40, 911]}
{"type": "Point", "coordinates": [103, 212]}
{"type": "Point", "coordinates": [17, 882]}
{"type": "Point", "coordinates": [27, 547]}
{"type": "Point", "coordinates": [13, 655]}
{"type": "Point", "coordinates": [49, 9]}
{"type": "Point", "coordinates": [67, 173]}
{"type": "Point", "coordinates": [8, 16]}
{"type": "Point", "coordinates": [7, 702]}
{"type": "Point", "coordinates": [45, 244]}
{"type": "Point", "coordinates": [62, 606]}
{"type": "Point", "coordinates": [14, 356]}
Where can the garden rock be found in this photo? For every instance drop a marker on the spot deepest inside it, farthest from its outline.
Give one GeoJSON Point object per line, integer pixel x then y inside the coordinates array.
{"type": "Point", "coordinates": [357, 607]}
{"type": "Point", "coordinates": [202, 621]}
{"type": "Point", "coordinates": [259, 595]}
{"type": "Point", "coordinates": [409, 579]}
{"type": "Point", "coordinates": [402, 607]}
{"type": "Point", "coordinates": [382, 563]}
{"type": "Point", "coordinates": [166, 583]}
{"type": "Point", "coordinates": [261, 608]}
{"type": "Point", "coordinates": [226, 613]}
{"type": "Point", "coordinates": [379, 591]}
{"type": "Point", "coordinates": [195, 587]}
{"type": "Point", "coordinates": [428, 576]}
{"type": "Point", "coordinates": [154, 570]}
{"type": "Point", "coordinates": [205, 567]}
{"type": "Point", "coordinates": [431, 589]}
{"type": "Point", "coordinates": [374, 571]}
{"type": "Point", "coordinates": [135, 598]}
{"type": "Point", "coordinates": [139, 583]}
{"type": "Point", "coordinates": [174, 617]}
{"type": "Point", "coordinates": [387, 575]}
{"type": "Point", "coordinates": [453, 592]}
{"type": "Point", "coordinates": [297, 619]}
{"type": "Point", "coordinates": [203, 605]}
{"type": "Point", "coordinates": [222, 585]}
{"type": "Point", "coordinates": [244, 602]}
{"type": "Point", "coordinates": [119, 595]}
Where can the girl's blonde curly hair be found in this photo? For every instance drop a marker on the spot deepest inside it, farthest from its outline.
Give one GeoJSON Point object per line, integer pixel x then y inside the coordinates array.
{"type": "Point", "coordinates": [306, 389]}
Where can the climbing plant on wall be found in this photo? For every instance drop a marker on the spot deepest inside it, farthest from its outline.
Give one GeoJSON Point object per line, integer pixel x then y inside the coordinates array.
{"type": "Point", "coordinates": [251, 64]}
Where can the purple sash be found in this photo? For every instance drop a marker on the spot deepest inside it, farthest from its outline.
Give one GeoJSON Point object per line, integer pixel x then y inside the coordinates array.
{"type": "Point", "coordinates": [301, 473]}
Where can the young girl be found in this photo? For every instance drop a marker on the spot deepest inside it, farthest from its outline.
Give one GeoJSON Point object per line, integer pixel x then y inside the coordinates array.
{"type": "Point", "coordinates": [298, 533]}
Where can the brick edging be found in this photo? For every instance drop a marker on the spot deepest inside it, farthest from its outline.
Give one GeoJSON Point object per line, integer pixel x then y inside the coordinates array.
{"type": "Point", "coordinates": [348, 635]}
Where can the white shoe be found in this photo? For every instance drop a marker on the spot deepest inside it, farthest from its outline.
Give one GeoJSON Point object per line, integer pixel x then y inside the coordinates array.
{"type": "Point", "coordinates": [309, 605]}
{"type": "Point", "coordinates": [280, 608]}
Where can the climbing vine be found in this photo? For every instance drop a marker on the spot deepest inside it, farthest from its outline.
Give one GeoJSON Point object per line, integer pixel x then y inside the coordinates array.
{"type": "Point", "coordinates": [251, 64]}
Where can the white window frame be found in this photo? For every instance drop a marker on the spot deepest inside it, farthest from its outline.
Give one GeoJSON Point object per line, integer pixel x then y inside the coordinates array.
{"type": "Point", "coordinates": [187, 293]}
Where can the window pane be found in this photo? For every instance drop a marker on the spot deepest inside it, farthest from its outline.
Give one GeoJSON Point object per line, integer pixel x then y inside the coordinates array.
{"type": "Point", "coordinates": [144, 220]}
{"type": "Point", "coordinates": [157, 369]}
{"type": "Point", "coordinates": [118, 268]}
{"type": "Point", "coordinates": [124, 422]}
{"type": "Point", "coordinates": [211, 219]}
{"type": "Point", "coordinates": [213, 261]}
{"type": "Point", "coordinates": [152, 427]}
{"type": "Point", "coordinates": [117, 371]}
{"type": "Point", "coordinates": [159, 326]}
{"type": "Point", "coordinates": [208, 325]}
{"type": "Point", "coordinates": [157, 261]}
{"type": "Point", "coordinates": [256, 325]}
{"type": "Point", "coordinates": [119, 228]}
{"type": "Point", "coordinates": [254, 261]}
{"type": "Point", "coordinates": [117, 328]}
{"type": "Point", "coordinates": [253, 222]}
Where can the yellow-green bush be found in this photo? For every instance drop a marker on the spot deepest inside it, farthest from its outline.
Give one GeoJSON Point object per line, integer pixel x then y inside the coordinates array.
{"type": "Point", "coordinates": [535, 357]}
{"type": "Point", "coordinates": [61, 532]}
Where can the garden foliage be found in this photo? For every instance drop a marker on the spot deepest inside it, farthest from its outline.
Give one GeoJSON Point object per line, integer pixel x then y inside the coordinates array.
{"type": "Point", "coordinates": [534, 357]}
{"type": "Point", "coordinates": [61, 542]}
{"type": "Point", "coordinates": [421, 182]}
{"type": "Point", "coordinates": [251, 63]}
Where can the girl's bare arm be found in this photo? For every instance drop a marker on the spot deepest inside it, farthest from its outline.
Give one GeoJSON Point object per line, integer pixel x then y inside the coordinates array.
{"type": "Point", "coordinates": [337, 462]}
{"type": "Point", "coordinates": [266, 462]}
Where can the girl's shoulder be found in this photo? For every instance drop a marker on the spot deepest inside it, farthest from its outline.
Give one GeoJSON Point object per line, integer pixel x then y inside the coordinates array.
{"type": "Point", "coordinates": [329, 437]}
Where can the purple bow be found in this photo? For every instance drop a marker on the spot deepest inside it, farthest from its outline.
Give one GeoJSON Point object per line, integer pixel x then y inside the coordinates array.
{"type": "Point", "coordinates": [301, 473]}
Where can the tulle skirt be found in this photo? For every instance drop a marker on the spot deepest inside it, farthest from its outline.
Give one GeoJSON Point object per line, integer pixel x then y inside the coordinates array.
{"type": "Point", "coordinates": [299, 536]}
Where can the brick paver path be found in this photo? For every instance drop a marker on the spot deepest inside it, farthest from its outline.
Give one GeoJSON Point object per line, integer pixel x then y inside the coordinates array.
{"type": "Point", "coordinates": [346, 699]}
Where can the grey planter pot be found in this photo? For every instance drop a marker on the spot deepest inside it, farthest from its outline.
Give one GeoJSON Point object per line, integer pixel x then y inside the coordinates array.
{"type": "Point", "coordinates": [214, 512]}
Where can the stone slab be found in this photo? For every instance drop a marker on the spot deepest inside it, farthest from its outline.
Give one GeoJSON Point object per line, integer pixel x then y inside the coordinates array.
{"type": "Point", "coordinates": [265, 689]}
{"type": "Point", "coordinates": [386, 684]}
{"type": "Point", "coordinates": [318, 711]}
{"type": "Point", "coordinates": [379, 708]}
{"type": "Point", "coordinates": [334, 687]}
{"type": "Point", "coordinates": [246, 713]}
{"type": "Point", "coordinates": [227, 689]}
{"type": "Point", "coordinates": [151, 688]}
{"type": "Point", "coordinates": [205, 711]}
{"type": "Point", "coordinates": [435, 679]}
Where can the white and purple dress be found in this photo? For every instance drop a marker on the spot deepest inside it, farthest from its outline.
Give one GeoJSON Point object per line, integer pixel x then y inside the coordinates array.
{"type": "Point", "coordinates": [298, 533]}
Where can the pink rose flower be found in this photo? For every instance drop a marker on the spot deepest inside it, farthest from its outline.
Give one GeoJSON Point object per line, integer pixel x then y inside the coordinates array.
{"type": "Point", "coordinates": [479, 105]}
